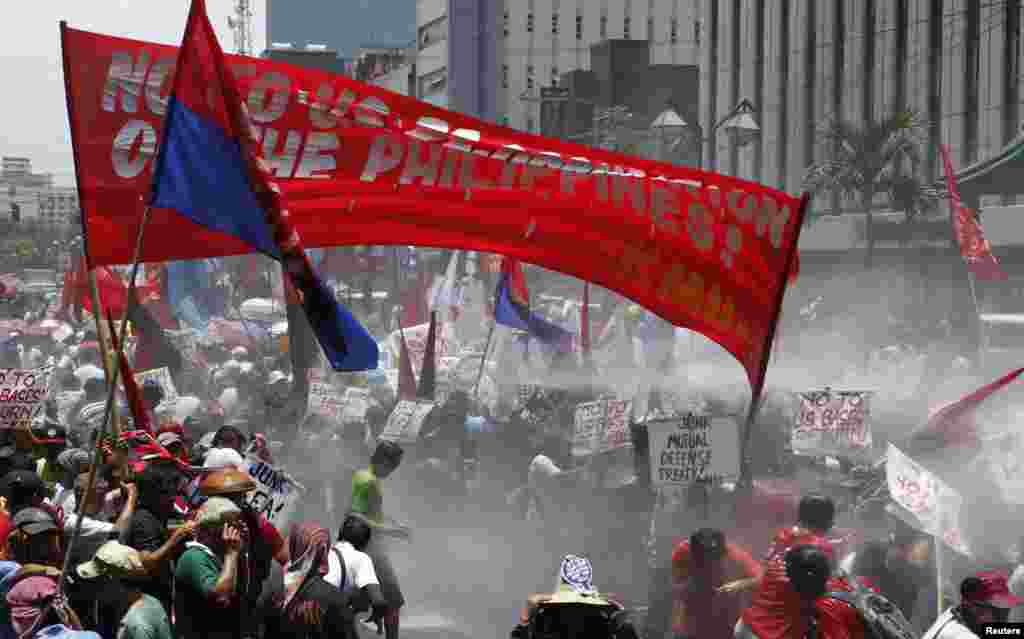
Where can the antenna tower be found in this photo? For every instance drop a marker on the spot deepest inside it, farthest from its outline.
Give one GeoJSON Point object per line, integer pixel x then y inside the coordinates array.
{"type": "Point", "coordinates": [241, 25]}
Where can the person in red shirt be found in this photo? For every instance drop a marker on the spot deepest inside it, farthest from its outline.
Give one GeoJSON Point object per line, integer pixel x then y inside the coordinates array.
{"type": "Point", "coordinates": [707, 574]}
{"type": "Point", "coordinates": [806, 610]}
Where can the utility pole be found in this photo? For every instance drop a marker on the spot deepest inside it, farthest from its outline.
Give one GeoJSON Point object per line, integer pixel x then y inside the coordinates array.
{"type": "Point", "coordinates": [241, 25]}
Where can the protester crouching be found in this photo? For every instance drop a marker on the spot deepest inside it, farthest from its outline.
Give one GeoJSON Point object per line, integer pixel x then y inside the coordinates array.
{"type": "Point", "coordinates": [211, 594]}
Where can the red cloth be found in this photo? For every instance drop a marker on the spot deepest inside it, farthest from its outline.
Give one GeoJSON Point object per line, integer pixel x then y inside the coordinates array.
{"type": "Point", "coordinates": [708, 614]}
{"type": "Point", "coordinates": [776, 612]}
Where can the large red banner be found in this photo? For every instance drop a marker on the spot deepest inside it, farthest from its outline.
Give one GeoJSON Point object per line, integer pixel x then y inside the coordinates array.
{"type": "Point", "coordinates": [360, 165]}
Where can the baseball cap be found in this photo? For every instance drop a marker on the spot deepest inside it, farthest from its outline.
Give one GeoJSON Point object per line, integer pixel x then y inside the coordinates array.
{"type": "Point", "coordinates": [990, 588]}
{"type": "Point", "coordinates": [216, 511]}
{"type": "Point", "coordinates": [115, 560]}
{"type": "Point", "coordinates": [34, 521]}
{"type": "Point", "coordinates": [168, 438]}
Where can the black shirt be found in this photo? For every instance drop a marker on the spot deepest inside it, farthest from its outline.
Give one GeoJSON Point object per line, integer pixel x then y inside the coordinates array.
{"type": "Point", "coordinates": [147, 533]}
{"type": "Point", "coordinates": [336, 619]}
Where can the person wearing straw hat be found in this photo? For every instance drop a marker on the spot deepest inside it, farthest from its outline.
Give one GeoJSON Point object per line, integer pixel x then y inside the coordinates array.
{"type": "Point", "coordinates": [574, 609]}
{"type": "Point", "coordinates": [144, 616]}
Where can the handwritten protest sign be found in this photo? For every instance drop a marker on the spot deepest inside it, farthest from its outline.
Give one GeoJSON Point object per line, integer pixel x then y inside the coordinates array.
{"type": "Point", "coordinates": [693, 448]}
{"type": "Point", "coordinates": [833, 423]}
{"type": "Point", "coordinates": [587, 423]}
{"type": "Point", "coordinates": [416, 341]}
{"type": "Point", "coordinates": [616, 425]}
{"type": "Point", "coordinates": [162, 376]}
{"type": "Point", "coordinates": [325, 401]}
{"type": "Point", "coordinates": [22, 392]}
{"type": "Point", "coordinates": [405, 421]}
{"type": "Point", "coordinates": [276, 496]}
{"type": "Point", "coordinates": [357, 402]}
{"type": "Point", "coordinates": [933, 507]}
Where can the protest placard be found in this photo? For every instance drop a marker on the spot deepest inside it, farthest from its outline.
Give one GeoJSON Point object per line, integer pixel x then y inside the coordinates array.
{"type": "Point", "coordinates": [356, 403]}
{"type": "Point", "coordinates": [693, 448]}
{"type": "Point", "coordinates": [616, 425]}
{"type": "Point", "coordinates": [325, 401]}
{"type": "Point", "coordinates": [405, 421]}
{"type": "Point", "coordinates": [587, 422]}
{"type": "Point", "coordinates": [162, 376]}
{"type": "Point", "coordinates": [929, 504]}
{"type": "Point", "coordinates": [276, 496]}
{"type": "Point", "coordinates": [22, 393]}
{"type": "Point", "coordinates": [833, 423]}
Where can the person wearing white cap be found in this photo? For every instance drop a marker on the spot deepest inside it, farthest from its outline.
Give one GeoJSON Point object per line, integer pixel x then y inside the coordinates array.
{"type": "Point", "coordinates": [144, 617]}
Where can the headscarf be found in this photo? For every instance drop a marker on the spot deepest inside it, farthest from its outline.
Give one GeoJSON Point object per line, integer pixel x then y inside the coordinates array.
{"type": "Point", "coordinates": [30, 599]}
{"type": "Point", "coordinates": [308, 546]}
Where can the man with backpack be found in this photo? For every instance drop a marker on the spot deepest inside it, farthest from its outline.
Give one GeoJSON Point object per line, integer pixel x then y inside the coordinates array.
{"type": "Point", "coordinates": [351, 570]}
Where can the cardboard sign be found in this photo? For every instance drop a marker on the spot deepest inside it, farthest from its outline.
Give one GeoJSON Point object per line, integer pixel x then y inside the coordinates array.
{"type": "Point", "coordinates": [325, 401]}
{"type": "Point", "coordinates": [933, 507]}
{"type": "Point", "coordinates": [601, 426]}
{"type": "Point", "coordinates": [832, 423]}
{"type": "Point", "coordinates": [357, 402]}
{"type": "Point", "coordinates": [693, 448]}
{"type": "Point", "coordinates": [416, 340]}
{"type": "Point", "coordinates": [22, 392]}
{"type": "Point", "coordinates": [405, 421]}
{"type": "Point", "coordinates": [587, 425]}
{"type": "Point", "coordinates": [163, 378]}
{"type": "Point", "coordinates": [276, 496]}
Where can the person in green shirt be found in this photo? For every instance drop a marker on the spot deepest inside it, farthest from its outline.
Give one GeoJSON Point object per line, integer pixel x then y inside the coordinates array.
{"type": "Point", "coordinates": [368, 501]}
{"type": "Point", "coordinates": [144, 616]}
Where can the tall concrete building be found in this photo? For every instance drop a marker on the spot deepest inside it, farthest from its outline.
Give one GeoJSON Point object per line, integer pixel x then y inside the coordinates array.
{"type": "Point", "coordinates": [482, 56]}
{"type": "Point", "coordinates": [800, 62]}
{"type": "Point", "coordinates": [32, 197]}
{"type": "Point", "coordinates": [342, 25]}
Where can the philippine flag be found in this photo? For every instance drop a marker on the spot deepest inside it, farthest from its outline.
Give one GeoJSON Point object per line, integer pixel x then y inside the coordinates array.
{"type": "Point", "coordinates": [209, 170]}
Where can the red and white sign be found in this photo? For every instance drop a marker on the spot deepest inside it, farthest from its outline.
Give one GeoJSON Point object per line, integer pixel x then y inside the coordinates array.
{"type": "Point", "coordinates": [833, 423]}
{"type": "Point", "coordinates": [934, 506]}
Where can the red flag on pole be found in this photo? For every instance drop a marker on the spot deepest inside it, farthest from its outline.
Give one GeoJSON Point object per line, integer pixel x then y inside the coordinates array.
{"type": "Point", "coordinates": [131, 388]}
{"type": "Point", "coordinates": [954, 425]}
{"type": "Point", "coordinates": [974, 248]}
{"type": "Point", "coordinates": [428, 374]}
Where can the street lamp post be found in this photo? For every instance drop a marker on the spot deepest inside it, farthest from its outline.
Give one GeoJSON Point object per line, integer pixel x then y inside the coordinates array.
{"type": "Point", "coordinates": [739, 124]}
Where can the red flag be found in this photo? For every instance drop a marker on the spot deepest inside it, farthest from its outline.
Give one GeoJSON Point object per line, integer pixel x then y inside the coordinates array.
{"type": "Point", "coordinates": [974, 248]}
{"type": "Point", "coordinates": [406, 376]}
{"type": "Point", "coordinates": [953, 425]}
{"type": "Point", "coordinates": [131, 388]}
{"type": "Point", "coordinates": [517, 281]}
{"type": "Point", "coordinates": [428, 375]}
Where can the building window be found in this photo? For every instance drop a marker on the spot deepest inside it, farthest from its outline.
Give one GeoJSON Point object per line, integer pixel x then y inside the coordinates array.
{"type": "Point", "coordinates": [673, 31]}
{"type": "Point", "coordinates": [554, 24]}
{"type": "Point", "coordinates": [529, 23]}
{"type": "Point", "coordinates": [696, 32]}
{"type": "Point", "coordinates": [529, 69]}
{"type": "Point", "coordinates": [604, 27]}
{"type": "Point", "coordinates": [504, 76]}
{"type": "Point", "coordinates": [650, 30]}
{"type": "Point", "coordinates": [626, 27]}
{"type": "Point", "coordinates": [504, 24]}
{"type": "Point", "coordinates": [529, 84]}
{"type": "Point", "coordinates": [433, 32]}
{"type": "Point", "coordinates": [579, 27]}
{"type": "Point", "coordinates": [529, 124]}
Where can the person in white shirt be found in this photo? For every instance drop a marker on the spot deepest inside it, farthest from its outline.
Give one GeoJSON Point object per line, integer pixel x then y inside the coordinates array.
{"type": "Point", "coordinates": [351, 570]}
{"type": "Point", "coordinates": [984, 599]}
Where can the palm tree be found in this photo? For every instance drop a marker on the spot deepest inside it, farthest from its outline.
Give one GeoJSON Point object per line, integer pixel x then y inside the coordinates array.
{"type": "Point", "coordinates": [876, 157]}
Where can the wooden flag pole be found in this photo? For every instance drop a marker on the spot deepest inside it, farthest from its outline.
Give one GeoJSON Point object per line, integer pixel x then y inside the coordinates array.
{"type": "Point", "coordinates": [105, 354]}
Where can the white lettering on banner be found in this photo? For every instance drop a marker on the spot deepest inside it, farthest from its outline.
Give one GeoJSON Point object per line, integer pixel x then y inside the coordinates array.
{"type": "Point", "coordinates": [833, 423]}
{"type": "Point", "coordinates": [162, 376]}
{"type": "Point", "coordinates": [693, 448]}
{"type": "Point", "coordinates": [133, 147]}
{"type": "Point", "coordinates": [933, 505]}
{"type": "Point", "coordinates": [22, 393]}
{"type": "Point", "coordinates": [276, 495]}
{"type": "Point", "coordinates": [405, 421]}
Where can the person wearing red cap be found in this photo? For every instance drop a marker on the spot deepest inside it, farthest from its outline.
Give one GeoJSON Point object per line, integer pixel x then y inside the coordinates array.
{"type": "Point", "coordinates": [984, 599]}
